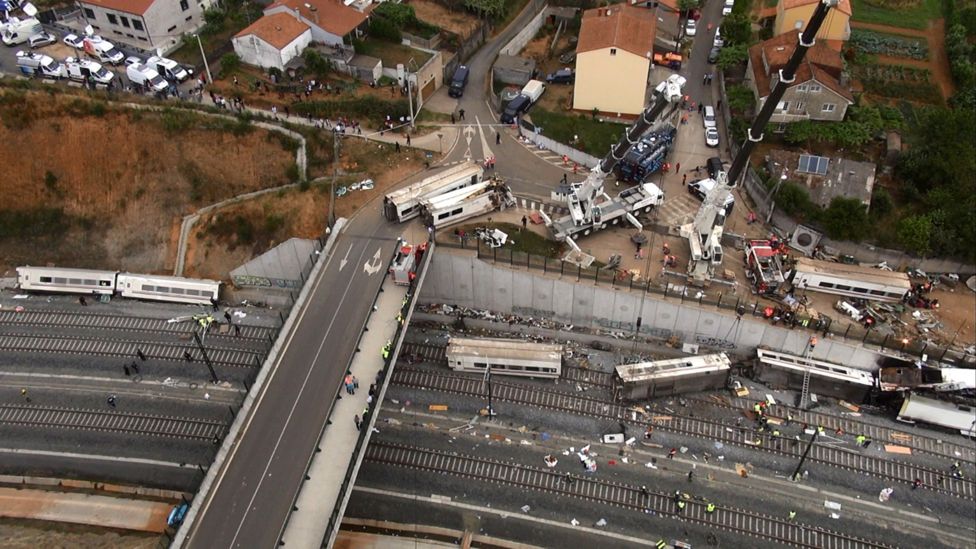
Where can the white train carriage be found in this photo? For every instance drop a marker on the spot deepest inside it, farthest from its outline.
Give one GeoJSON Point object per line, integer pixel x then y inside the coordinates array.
{"type": "Point", "coordinates": [168, 288]}
{"type": "Point", "coordinates": [849, 280]}
{"type": "Point", "coordinates": [404, 204]}
{"type": "Point", "coordinates": [506, 356]}
{"type": "Point", "coordinates": [826, 378]}
{"type": "Point", "coordinates": [66, 280]}
{"type": "Point", "coordinates": [675, 376]}
{"type": "Point", "coordinates": [939, 412]}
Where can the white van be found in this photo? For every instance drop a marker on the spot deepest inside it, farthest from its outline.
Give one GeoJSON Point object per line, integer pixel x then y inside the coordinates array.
{"type": "Point", "coordinates": [146, 77]}
{"type": "Point", "coordinates": [708, 116]}
{"type": "Point", "coordinates": [533, 90]}
{"type": "Point", "coordinates": [168, 68]}
{"type": "Point", "coordinates": [17, 31]}
{"type": "Point", "coordinates": [81, 70]}
{"type": "Point", "coordinates": [103, 50]}
{"type": "Point", "coordinates": [37, 64]}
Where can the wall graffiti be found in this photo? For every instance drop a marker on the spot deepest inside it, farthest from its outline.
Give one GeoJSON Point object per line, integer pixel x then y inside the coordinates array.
{"type": "Point", "coordinates": [251, 281]}
{"type": "Point", "coordinates": [529, 311]}
{"type": "Point", "coordinates": [715, 342]}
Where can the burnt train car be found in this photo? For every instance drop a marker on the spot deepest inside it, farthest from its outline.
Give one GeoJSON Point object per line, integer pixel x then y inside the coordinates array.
{"type": "Point", "coordinates": [826, 378]}
{"type": "Point", "coordinates": [675, 376]}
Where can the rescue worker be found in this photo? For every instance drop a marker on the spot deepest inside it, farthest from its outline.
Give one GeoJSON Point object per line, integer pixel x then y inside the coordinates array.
{"type": "Point", "coordinates": [386, 349]}
{"type": "Point", "coordinates": [710, 508]}
{"type": "Point", "coordinates": [859, 439]}
{"type": "Point", "coordinates": [660, 544]}
{"type": "Point", "coordinates": [792, 516]}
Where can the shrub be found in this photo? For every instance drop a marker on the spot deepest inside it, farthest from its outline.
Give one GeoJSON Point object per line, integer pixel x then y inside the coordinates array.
{"type": "Point", "coordinates": [384, 29]}
{"type": "Point", "coordinates": [846, 219]}
{"type": "Point", "coordinates": [367, 107]}
{"type": "Point", "coordinates": [731, 56]}
{"type": "Point", "coordinates": [229, 63]}
{"type": "Point", "coordinates": [795, 201]}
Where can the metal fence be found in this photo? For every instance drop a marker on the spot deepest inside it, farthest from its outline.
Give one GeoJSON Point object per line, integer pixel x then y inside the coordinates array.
{"type": "Point", "coordinates": [725, 300]}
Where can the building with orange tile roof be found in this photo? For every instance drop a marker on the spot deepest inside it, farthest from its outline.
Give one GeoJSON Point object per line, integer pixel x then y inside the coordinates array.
{"type": "Point", "coordinates": [794, 14]}
{"type": "Point", "coordinates": [613, 57]}
{"type": "Point", "coordinates": [331, 21]}
{"type": "Point", "coordinates": [145, 24]}
{"type": "Point", "coordinates": [273, 40]}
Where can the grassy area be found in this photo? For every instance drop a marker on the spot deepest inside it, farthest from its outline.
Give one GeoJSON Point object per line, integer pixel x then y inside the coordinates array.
{"type": "Point", "coordinates": [910, 18]}
{"type": "Point", "coordinates": [595, 137]}
{"type": "Point", "coordinates": [528, 241]}
{"type": "Point", "coordinates": [392, 54]}
{"type": "Point", "coordinates": [512, 9]}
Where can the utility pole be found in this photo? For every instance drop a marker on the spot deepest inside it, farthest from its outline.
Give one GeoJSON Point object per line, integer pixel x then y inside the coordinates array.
{"type": "Point", "coordinates": [803, 458]}
{"type": "Point", "coordinates": [335, 177]}
{"type": "Point", "coordinates": [204, 56]}
{"type": "Point", "coordinates": [206, 358]}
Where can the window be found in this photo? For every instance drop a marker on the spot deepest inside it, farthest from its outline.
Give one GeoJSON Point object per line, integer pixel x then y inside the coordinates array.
{"type": "Point", "coordinates": [783, 106]}
{"type": "Point", "coordinates": [125, 21]}
{"type": "Point", "coordinates": [613, 51]}
{"type": "Point", "coordinates": [89, 13]}
{"type": "Point", "coordinates": [184, 5]}
{"type": "Point", "coordinates": [828, 107]}
{"type": "Point", "coordinates": [843, 287]}
{"type": "Point", "coordinates": [112, 19]}
{"type": "Point", "coordinates": [802, 88]}
{"type": "Point", "coordinates": [799, 106]}
{"type": "Point", "coordinates": [815, 88]}
{"type": "Point", "coordinates": [136, 24]}
{"type": "Point", "coordinates": [45, 280]}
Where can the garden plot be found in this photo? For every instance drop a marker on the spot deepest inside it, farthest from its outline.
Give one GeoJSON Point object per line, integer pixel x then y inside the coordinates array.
{"type": "Point", "coordinates": [877, 43]}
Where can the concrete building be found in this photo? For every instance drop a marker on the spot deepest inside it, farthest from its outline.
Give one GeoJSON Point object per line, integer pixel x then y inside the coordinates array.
{"type": "Point", "coordinates": [145, 24]}
{"type": "Point", "coordinates": [331, 21]}
{"type": "Point", "coordinates": [824, 178]}
{"type": "Point", "coordinates": [272, 41]}
{"type": "Point", "coordinates": [819, 91]}
{"type": "Point", "coordinates": [512, 69]}
{"type": "Point", "coordinates": [795, 14]}
{"type": "Point", "coordinates": [613, 57]}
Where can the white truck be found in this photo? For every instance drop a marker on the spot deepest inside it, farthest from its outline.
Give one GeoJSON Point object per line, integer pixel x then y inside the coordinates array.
{"type": "Point", "coordinates": [167, 68]}
{"type": "Point", "coordinates": [146, 77]}
{"type": "Point", "coordinates": [16, 31]}
{"type": "Point", "coordinates": [590, 208]}
{"type": "Point", "coordinates": [38, 64]}
{"type": "Point", "coordinates": [103, 50]}
{"type": "Point", "coordinates": [84, 70]}
{"type": "Point", "coordinates": [533, 90]}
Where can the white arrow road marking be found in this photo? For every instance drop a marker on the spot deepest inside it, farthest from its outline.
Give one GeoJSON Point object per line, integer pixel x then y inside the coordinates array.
{"type": "Point", "coordinates": [468, 135]}
{"type": "Point", "coordinates": [345, 259]}
{"type": "Point", "coordinates": [484, 142]}
{"type": "Point", "coordinates": [373, 266]}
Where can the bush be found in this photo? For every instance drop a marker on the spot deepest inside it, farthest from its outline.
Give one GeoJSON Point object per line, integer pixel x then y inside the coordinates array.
{"type": "Point", "coordinates": [881, 203]}
{"type": "Point", "coordinates": [315, 64]}
{"type": "Point", "coordinates": [732, 56]}
{"type": "Point", "coordinates": [795, 201]}
{"type": "Point", "coordinates": [845, 219]}
{"type": "Point", "coordinates": [740, 98]}
{"type": "Point", "coordinates": [229, 63]}
{"type": "Point", "coordinates": [365, 107]}
{"type": "Point", "coordinates": [384, 29]}
{"type": "Point", "coordinates": [43, 221]}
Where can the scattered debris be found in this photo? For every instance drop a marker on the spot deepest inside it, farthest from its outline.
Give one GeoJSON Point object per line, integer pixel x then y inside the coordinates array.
{"type": "Point", "coordinates": [602, 522]}
{"type": "Point", "coordinates": [526, 508]}
{"type": "Point", "coordinates": [574, 522]}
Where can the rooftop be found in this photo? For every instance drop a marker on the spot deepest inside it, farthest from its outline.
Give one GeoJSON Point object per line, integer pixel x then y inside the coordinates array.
{"type": "Point", "coordinates": [821, 64]}
{"type": "Point", "coordinates": [619, 26]}
{"type": "Point", "coordinates": [330, 15]}
{"type": "Point", "coordinates": [844, 6]}
{"type": "Point", "coordinates": [277, 29]}
{"type": "Point", "coordinates": [504, 348]}
{"type": "Point", "coordinates": [135, 7]}
{"type": "Point", "coordinates": [843, 177]}
{"type": "Point", "coordinates": [866, 274]}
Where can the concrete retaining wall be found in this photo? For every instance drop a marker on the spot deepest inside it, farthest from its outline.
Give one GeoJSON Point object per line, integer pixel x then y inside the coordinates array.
{"type": "Point", "coordinates": [460, 278]}
{"type": "Point", "coordinates": [525, 35]}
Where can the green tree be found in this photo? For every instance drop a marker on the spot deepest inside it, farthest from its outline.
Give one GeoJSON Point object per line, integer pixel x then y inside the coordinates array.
{"type": "Point", "coordinates": [229, 63]}
{"type": "Point", "coordinates": [316, 64]}
{"type": "Point", "coordinates": [740, 98]}
{"type": "Point", "coordinates": [685, 5]}
{"type": "Point", "coordinates": [915, 234]}
{"type": "Point", "coordinates": [737, 29]}
{"type": "Point", "coordinates": [384, 28]}
{"type": "Point", "coordinates": [487, 8]}
{"type": "Point", "coordinates": [881, 203]}
{"type": "Point", "coordinates": [400, 15]}
{"type": "Point", "coordinates": [845, 219]}
{"type": "Point", "coordinates": [795, 201]}
{"type": "Point", "coordinates": [732, 56]}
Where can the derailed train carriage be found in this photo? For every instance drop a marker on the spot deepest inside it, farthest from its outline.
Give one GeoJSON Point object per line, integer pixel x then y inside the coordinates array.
{"type": "Point", "coordinates": [511, 357]}
{"type": "Point", "coordinates": [675, 376]}
{"type": "Point", "coordinates": [826, 378]}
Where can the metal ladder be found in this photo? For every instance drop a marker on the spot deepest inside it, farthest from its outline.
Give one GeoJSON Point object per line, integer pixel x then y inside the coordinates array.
{"type": "Point", "coordinates": [805, 391]}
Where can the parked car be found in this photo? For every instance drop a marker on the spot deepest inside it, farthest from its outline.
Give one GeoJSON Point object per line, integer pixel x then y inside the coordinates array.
{"type": "Point", "coordinates": [516, 107]}
{"type": "Point", "coordinates": [41, 39]}
{"type": "Point", "coordinates": [718, 42]}
{"type": "Point", "coordinates": [713, 54]}
{"type": "Point", "coordinates": [133, 59]}
{"type": "Point", "coordinates": [562, 76]}
{"type": "Point", "coordinates": [568, 57]}
{"type": "Point", "coordinates": [691, 27]}
{"type": "Point", "coordinates": [727, 8]}
{"type": "Point", "coordinates": [74, 41]}
{"type": "Point", "coordinates": [711, 137]}
{"type": "Point", "coordinates": [708, 116]}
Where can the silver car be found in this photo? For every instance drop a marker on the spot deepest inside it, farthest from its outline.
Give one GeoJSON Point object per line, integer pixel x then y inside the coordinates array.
{"type": "Point", "coordinates": [41, 39]}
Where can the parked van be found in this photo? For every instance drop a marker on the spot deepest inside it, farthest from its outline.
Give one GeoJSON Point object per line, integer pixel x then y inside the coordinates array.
{"type": "Point", "coordinates": [103, 50]}
{"type": "Point", "coordinates": [533, 90]}
{"type": "Point", "coordinates": [38, 64]}
{"type": "Point", "coordinates": [17, 31]}
{"type": "Point", "coordinates": [81, 70]}
{"type": "Point", "coordinates": [146, 77]}
{"type": "Point", "coordinates": [459, 81]}
{"type": "Point", "coordinates": [708, 116]}
{"type": "Point", "coordinates": [167, 68]}
{"type": "Point", "coordinates": [701, 188]}
{"type": "Point", "coordinates": [516, 107]}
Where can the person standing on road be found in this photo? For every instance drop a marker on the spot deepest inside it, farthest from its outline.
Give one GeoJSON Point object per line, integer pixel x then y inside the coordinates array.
{"type": "Point", "coordinates": [359, 422]}
{"type": "Point", "coordinates": [498, 138]}
{"type": "Point", "coordinates": [672, 452]}
{"type": "Point", "coordinates": [111, 400]}
{"type": "Point", "coordinates": [461, 114]}
{"type": "Point", "coordinates": [525, 222]}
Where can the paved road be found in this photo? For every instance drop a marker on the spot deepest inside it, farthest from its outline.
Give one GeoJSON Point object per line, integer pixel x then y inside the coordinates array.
{"type": "Point", "coordinates": [252, 495]}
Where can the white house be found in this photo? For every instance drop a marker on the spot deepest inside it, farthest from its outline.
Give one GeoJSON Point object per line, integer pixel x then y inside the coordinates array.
{"type": "Point", "coordinates": [146, 24]}
{"type": "Point", "coordinates": [330, 20]}
{"type": "Point", "coordinates": [272, 41]}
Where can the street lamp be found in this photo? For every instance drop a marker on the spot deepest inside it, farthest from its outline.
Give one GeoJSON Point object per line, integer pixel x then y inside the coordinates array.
{"type": "Point", "coordinates": [204, 56]}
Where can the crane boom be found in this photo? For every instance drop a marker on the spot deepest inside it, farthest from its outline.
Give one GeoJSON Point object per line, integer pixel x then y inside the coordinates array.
{"type": "Point", "coordinates": [704, 234]}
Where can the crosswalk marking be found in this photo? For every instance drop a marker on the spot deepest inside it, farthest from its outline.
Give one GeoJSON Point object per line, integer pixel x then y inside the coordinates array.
{"type": "Point", "coordinates": [531, 204]}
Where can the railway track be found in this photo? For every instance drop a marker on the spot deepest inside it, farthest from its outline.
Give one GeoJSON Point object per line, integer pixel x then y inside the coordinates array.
{"type": "Point", "coordinates": [710, 430]}
{"type": "Point", "coordinates": [612, 493]}
{"type": "Point", "coordinates": [110, 421]}
{"type": "Point", "coordinates": [832, 422]}
{"type": "Point", "coordinates": [66, 319]}
{"type": "Point", "coordinates": [30, 343]}
{"type": "Point", "coordinates": [424, 351]}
